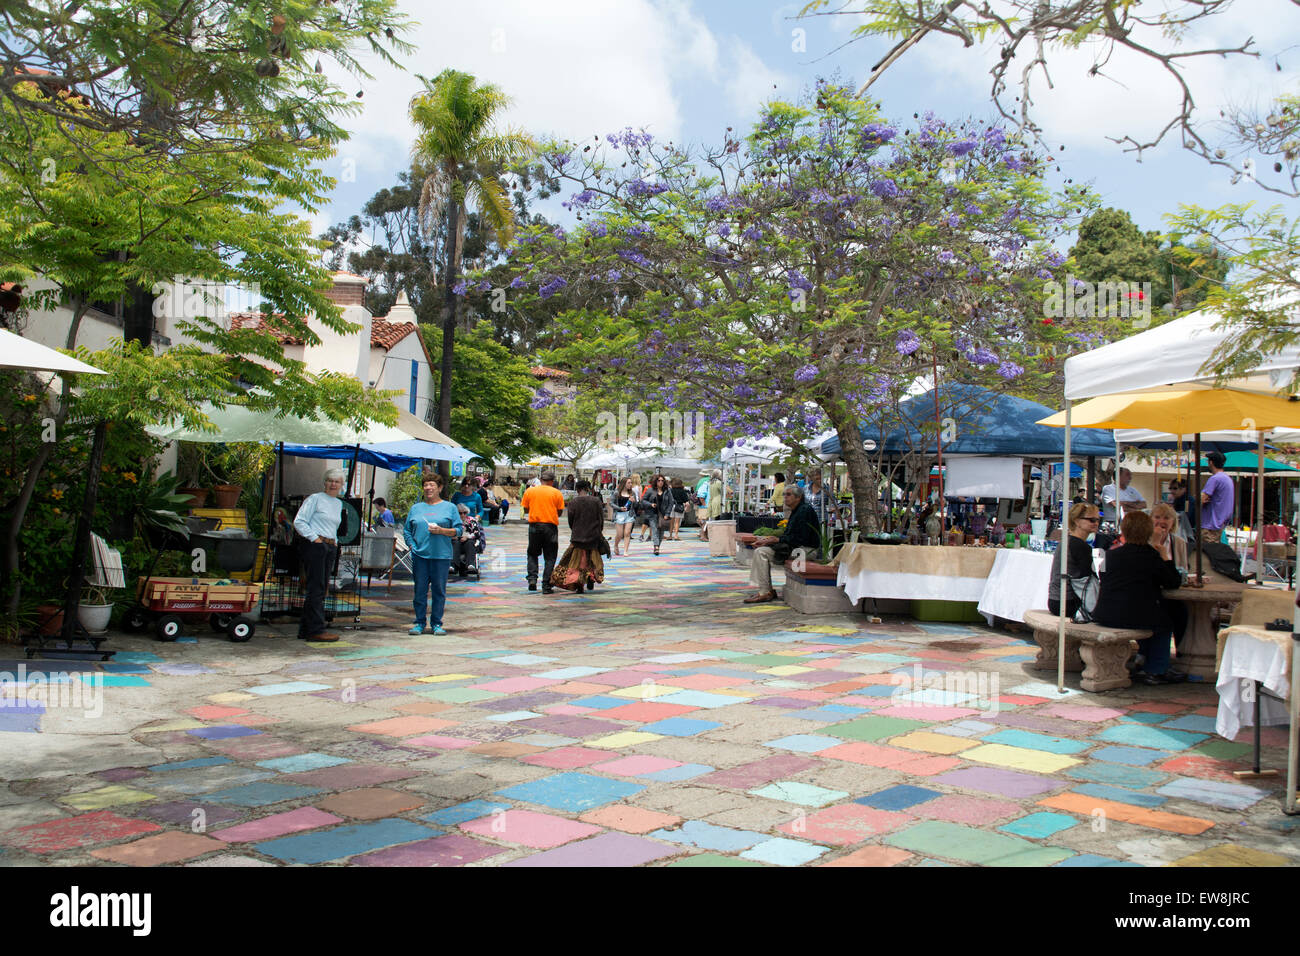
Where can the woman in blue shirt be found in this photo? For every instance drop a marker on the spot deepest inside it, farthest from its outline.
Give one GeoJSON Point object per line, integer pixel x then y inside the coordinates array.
{"type": "Point", "coordinates": [470, 498]}
{"type": "Point", "coordinates": [430, 529]}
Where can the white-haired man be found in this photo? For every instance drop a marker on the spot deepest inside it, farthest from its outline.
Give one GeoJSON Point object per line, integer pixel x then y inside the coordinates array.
{"type": "Point", "coordinates": [317, 524]}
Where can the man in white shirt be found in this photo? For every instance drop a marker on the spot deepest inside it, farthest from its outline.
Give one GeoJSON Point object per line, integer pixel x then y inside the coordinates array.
{"type": "Point", "coordinates": [1128, 497]}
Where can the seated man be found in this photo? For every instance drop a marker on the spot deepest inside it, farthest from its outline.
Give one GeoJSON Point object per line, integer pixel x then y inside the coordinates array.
{"type": "Point", "coordinates": [800, 532]}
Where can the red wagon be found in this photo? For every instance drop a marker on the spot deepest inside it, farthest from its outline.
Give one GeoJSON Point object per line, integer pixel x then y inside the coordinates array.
{"type": "Point", "coordinates": [167, 602]}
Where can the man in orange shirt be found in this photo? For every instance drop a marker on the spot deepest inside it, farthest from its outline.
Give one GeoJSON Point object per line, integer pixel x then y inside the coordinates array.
{"type": "Point", "coordinates": [542, 504]}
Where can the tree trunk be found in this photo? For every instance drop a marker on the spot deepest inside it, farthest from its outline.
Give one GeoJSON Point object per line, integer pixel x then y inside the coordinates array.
{"type": "Point", "coordinates": [137, 315]}
{"type": "Point", "coordinates": [863, 476]}
{"type": "Point", "coordinates": [449, 304]}
{"type": "Point", "coordinates": [81, 538]}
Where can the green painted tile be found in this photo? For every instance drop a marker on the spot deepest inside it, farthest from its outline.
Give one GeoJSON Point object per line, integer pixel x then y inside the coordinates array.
{"type": "Point", "coordinates": [764, 660]}
{"type": "Point", "coordinates": [874, 728]}
{"type": "Point", "coordinates": [954, 842]}
{"type": "Point", "coordinates": [714, 859]}
{"type": "Point", "coordinates": [1222, 749]}
{"type": "Point", "coordinates": [458, 695]}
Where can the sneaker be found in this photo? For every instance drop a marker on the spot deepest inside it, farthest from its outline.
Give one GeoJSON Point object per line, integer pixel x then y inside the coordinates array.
{"type": "Point", "coordinates": [439, 631]}
{"type": "Point", "coordinates": [548, 590]}
{"type": "Point", "coordinates": [416, 629]}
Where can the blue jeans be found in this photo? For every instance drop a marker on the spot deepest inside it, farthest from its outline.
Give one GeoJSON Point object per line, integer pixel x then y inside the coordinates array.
{"type": "Point", "coordinates": [430, 573]}
{"type": "Point", "coordinates": [1156, 651]}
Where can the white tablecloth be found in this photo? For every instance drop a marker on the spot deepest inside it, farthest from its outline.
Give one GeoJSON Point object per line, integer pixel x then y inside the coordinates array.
{"type": "Point", "coordinates": [1017, 583]}
{"type": "Point", "coordinates": [1248, 659]}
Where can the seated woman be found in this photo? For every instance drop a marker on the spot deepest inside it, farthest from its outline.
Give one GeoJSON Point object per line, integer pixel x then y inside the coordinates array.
{"type": "Point", "coordinates": [1083, 520]}
{"type": "Point", "coordinates": [466, 549]}
{"type": "Point", "coordinates": [1130, 594]}
{"type": "Point", "coordinates": [469, 497]}
{"type": "Point", "coordinates": [1165, 520]}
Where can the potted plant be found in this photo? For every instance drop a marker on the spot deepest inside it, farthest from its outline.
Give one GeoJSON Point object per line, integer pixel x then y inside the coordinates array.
{"type": "Point", "coordinates": [237, 466]}
{"type": "Point", "coordinates": [95, 609]}
{"type": "Point", "coordinates": [190, 465]}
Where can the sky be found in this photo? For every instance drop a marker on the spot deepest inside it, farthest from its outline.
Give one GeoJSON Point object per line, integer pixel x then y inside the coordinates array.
{"type": "Point", "coordinates": [685, 70]}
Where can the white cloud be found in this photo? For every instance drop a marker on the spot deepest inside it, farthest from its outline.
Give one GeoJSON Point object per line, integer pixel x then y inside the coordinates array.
{"type": "Point", "coordinates": [750, 82]}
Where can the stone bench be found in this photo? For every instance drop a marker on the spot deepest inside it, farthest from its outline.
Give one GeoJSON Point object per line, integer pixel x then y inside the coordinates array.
{"type": "Point", "coordinates": [745, 549]}
{"type": "Point", "coordinates": [1102, 653]}
{"type": "Point", "coordinates": [813, 590]}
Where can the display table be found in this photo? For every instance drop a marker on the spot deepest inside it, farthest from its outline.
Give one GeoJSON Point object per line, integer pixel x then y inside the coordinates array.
{"type": "Point", "coordinates": [914, 572]}
{"type": "Point", "coordinates": [1017, 583]}
{"type": "Point", "coordinates": [1252, 654]}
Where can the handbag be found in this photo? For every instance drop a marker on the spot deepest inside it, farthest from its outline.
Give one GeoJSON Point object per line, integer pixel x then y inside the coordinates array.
{"type": "Point", "coordinates": [1086, 589]}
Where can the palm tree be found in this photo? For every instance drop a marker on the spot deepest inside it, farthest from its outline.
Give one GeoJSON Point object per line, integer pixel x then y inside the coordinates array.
{"type": "Point", "coordinates": [463, 156]}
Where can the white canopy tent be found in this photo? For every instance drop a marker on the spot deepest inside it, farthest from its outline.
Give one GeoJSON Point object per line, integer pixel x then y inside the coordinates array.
{"type": "Point", "coordinates": [18, 352]}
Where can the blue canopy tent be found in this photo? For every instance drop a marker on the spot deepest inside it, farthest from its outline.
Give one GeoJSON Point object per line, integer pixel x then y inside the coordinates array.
{"type": "Point", "coordinates": [392, 455]}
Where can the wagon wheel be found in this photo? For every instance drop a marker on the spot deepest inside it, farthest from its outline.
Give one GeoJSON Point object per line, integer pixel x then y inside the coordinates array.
{"type": "Point", "coordinates": [241, 629]}
{"type": "Point", "coordinates": [135, 620]}
{"type": "Point", "coordinates": [220, 622]}
{"type": "Point", "coordinates": [168, 627]}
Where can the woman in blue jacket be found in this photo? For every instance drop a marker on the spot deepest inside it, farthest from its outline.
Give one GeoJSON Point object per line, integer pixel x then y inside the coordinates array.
{"type": "Point", "coordinates": [430, 530]}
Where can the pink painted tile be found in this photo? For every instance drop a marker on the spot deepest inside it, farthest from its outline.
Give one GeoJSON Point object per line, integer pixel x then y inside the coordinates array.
{"type": "Point", "coordinates": [872, 856]}
{"type": "Point", "coordinates": [438, 742]}
{"type": "Point", "coordinates": [213, 712]}
{"type": "Point", "coordinates": [636, 765]}
{"type": "Point", "coordinates": [1153, 707]}
{"type": "Point", "coordinates": [1021, 699]}
{"type": "Point", "coordinates": [1094, 715]}
{"type": "Point", "coordinates": [582, 687]}
{"type": "Point", "coordinates": [929, 766]}
{"type": "Point", "coordinates": [403, 726]}
{"type": "Point", "coordinates": [538, 830]}
{"type": "Point", "coordinates": [926, 712]}
{"type": "Point", "coordinates": [550, 637]}
{"type": "Point", "coordinates": [873, 755]}
{"type": "Point", "coordinates": [566, 758]}
{"type": "Point", "coordinates": [160, 849]}
{"type": "Point", "coordinates": [276, 825]}
{"type": "Point", "coordinates": [973, 810]}
{"type": "Point", "coordinates": [845, 824]}
{"type": "Point", "coordinates": [102, 826]}
{"type": "Point", "coordinates": [566, 710]}
{"type": "Point", "coordinates": [253, 720]}
{"type": "Point", "coordinates": [704, 681]}
{"type": "Point", "coordinates": [515, 685]}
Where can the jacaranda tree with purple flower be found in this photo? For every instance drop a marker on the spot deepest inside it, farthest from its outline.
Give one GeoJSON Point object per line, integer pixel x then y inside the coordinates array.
{"type": "Point", "coordinates": [807, 274]}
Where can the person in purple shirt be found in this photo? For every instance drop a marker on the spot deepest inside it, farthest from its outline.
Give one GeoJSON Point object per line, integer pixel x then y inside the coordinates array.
{"type": "Point", "coordinates": [1216, 499]}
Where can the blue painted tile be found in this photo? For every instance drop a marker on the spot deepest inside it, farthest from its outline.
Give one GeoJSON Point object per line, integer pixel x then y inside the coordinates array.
{"type": "Point", "coordinates": [20, 723]}
{"type": "Point", "coordinates": [464, 812]}
{"type": "Point", "coordinates": [710, 836]}
{"type": "Point", "coordinates": [114, 680]}
{"type": "Point", "coordinates": [124, 667]}
{"type": "Point", "coordinates": [679, 727]}
{"type": "Point", "coordinates": [291, 687]}
{"type": "Point", "coordinates": [1193, 722]}
{"type": "Point", "coordinates": [1039, 826]}
{"type": "Point", "coordinates": [875, 690]}
{"type": "Point", "coordinates": [223, 732]}
{"type": "Point", "coordinates": [1216, 793]}
{"type": "Point", "coordinates": [600, 702]}
{"type": "Point", "coordinates": [784, 852]}
{"type": "Point", "coordinates": [1157, 738]}
{"type": "Point", "coordinates": [897, 798]}
{"type": "Point", "coordinates": [1119, 795]}
{"type": "Point", "coordinates": [1143, 717]}
{"type": "Point", "coordinates": [1136, 756]}
{"type": "Point", "coordinates": [260, 794]}
{"type": "Point", "coordinates": [1135, 778]}
{"type": "Point", "coordinates": [137, 657]}
{"type": "Point", "coordinates": [804, 743]}
{"type": "Point", "coordinates": [1023, 738]}
{"type": "Point", "coordinates": [699, 698]}
{"type": "Point", "coordinates": [572, 791]}
{"type": "Point", "coordinates": [1092, 859]}
{"type": "Point", "coordinates": [300, 763]}
{"type": "Point", "coordinates": [685, 772]}
{"type": "Point", "coordinates": [325, 845]}
{"type": "Point", "coordinates": [192, 764]}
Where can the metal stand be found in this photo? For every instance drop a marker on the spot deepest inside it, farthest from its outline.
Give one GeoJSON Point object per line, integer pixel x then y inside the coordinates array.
{"type": "Point", "coordinates": [1256, 773]}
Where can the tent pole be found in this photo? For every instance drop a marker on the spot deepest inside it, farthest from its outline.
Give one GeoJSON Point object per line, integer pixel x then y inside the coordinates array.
{"type": "Point", "coordinates": [1259, 512]}
{"type": "Point", "coordinates": [1196, 502]}
{"type": "Point", "coordinates": [1092, 478]}
{"type": "Point", "coordinates": [1064, 554]}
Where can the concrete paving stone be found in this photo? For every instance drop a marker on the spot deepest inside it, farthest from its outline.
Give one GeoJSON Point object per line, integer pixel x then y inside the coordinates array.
{"type": "Point", "coordinates": [371, 803]}
{"type": "Point", "coordinates": [709, 836]}
{"type": "Point", "coordinates": [260, 794]}
{"type": "Point", "coordinates": [159, 850]}
{"type": "Point", "coordinates": [228, 860]}
{"type": "Point", "coordinates": [969, 845]}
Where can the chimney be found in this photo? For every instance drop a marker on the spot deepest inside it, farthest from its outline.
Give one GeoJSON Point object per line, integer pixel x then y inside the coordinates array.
{"type": "Point", "coordinates": [348, 289]}
{"type": "Point", "coordinates": [402, 311]}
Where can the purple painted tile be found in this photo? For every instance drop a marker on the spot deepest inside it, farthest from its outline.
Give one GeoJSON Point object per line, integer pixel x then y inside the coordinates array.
{"type": "Point", "coordinates": [277, 825]}
{"type": "Point", "coordinates": [1006, 783]}
{"type": "Point", "coordinates": [181, 813]}
{"type": "Point", "coordinates": [491, 733]}
{"type": "Point", "coordinates": [1056, 726]}
{"type": "Point", "coordinates": [363, 694]}
{"type": "Point", "coordinates": [788, 703]}
{"type": "Point", "coordinates": [541, 698]}
{"type": "Point", "coordinates": [757, 773]}
{"type": "Point", "coordinates": [454, 849]}
{"type": "Point", "coordinates": [118, 774]}
{"type": "Point", "coordinates": [608, 849]}
{"type": "Point", "coordinates": [224, 732]}
{"type": "Point", "coordinates": [349, 775]}
{"type": "Point", "coordinates": [574, 726]}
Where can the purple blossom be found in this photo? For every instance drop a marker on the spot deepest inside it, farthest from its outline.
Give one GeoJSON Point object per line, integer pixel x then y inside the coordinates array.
{"type": "Point", "coordinates": [598, 230]}
{"type": "Point", "coordinates": [1010, 370]}
{"type": "Point", "coordinates": [558, 232]}
{"type": "Point", "coordinates": [973, 210]}
{"type": "Point", "coordinates": [552, 287]}
{"type": "Point", "coordinates": [517, 282]}
{"type": "Point", "coordinates": [613, 275]}
{"type": "Point", "coordinates": [483, 286]}
{"type": "Point", "coordinates": [946, 256]}
{"type": "Point", "coordinates": [907, 342]}
{"type": "Point", "coordinates": [953, 221]}
{"type": "Point", "coordinates": [1013, 162]}
{"type": "Point", "coordinates": [558, 160]}
{"type": "Point", "coordinates": [584, 198]}
{"type": "Point", "coordinates": [459, 287]}
{"type": "Point", "coordinates": [885, 188]}
{"type": "Point", "coordinates": [805, 374]}
{"type": "Point", "coordinates": [983, 356]}
{"type": "Point", "coordinates": [995, 136]}
{"type": "Point", "coordinates": [962, 147]}
{"type": "Point", "coordinates": [634, 257]}
{"type": "Point", "coordinates": [639, 187]}
{"type": "Point", "coordinates": [753, 233]}
{"type": "Point", "coordinates": [719, 203]}
{"type": "Point", "coordinates": [878, 133]}
{"type": "Point", "coordinates": [797, 280]}
{"type": "Point", "coordinates": [723, 230]}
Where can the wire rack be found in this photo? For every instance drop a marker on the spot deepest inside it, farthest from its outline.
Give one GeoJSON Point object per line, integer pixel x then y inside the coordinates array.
{"type": "Point", "coordinates": [284, 591]}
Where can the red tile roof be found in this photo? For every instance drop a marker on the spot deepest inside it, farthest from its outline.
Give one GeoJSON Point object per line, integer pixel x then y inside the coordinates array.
{"type": "Point", "coordinates": [385, 334]}
{"type": "Point", "coordinates": [542, 371]}
{"type": "Point", "coordinates": [259, 322]}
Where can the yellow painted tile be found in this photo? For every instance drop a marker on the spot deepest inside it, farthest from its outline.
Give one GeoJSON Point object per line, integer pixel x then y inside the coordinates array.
{"type": "Point", "coordinates": [792, 652]}
{"type": "Point", "coordinates": [440, 678]}
{"type": "Point", "coordinates": [1020, 758]}
{"type": "Point", "coordinates": [645, 691]}
{"type": "Point", "coordinates": [106, 797]}
{"type": "Point", "coordinates": [826, 629]}
{"type": "Point", "coordinates": [733, 692]}
{"type": "Point", "coordinates": [785, 670]}
{"type": "Point", "coordinates": [185, 723]}
{"type": "Point", "coordinates": [1228, 854]}
{"type": "Point", "coordinates": [231, 697]}
{"type": "Point", "coordinates": [624, 738]}
{"type": "Point", "coordinates": [933, 743]}
{"type": "Point", "coordinates": [759, 610]}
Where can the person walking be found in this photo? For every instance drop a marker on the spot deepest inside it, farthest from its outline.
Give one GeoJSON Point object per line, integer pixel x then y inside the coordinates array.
{"type": "Point", "coordinates": [317, 524]}
{"type": "Point", "coordinates": [624, 512]}
{"type": "Point", "coordinates": [680, 497]}
{"type": "Point", "coordinates": [657, 508]}
{"type": "Point", "coordinates": [543, 504]}
{"type": "Point", "coordinates": [581, 565]}
{"type": "Point", "coordinates": [430, 529]}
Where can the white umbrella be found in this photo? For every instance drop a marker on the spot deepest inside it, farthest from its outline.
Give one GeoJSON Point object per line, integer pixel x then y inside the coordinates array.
{"type": "Point", "coordinates": [18, 352]}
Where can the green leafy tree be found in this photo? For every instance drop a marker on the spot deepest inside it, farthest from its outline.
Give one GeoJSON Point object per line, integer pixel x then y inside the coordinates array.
{"type": "Point", "coordinates": [493, 387]}
{"type": "Point", "coordinates": [806, 275]}
{"type": "Point", "coordinates": [460, 150]}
